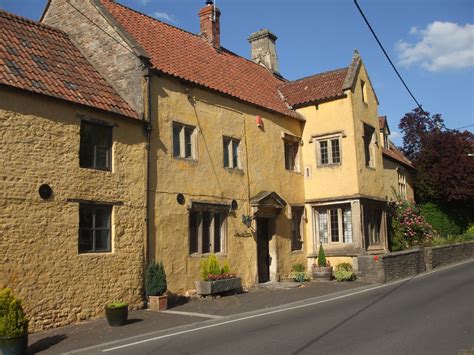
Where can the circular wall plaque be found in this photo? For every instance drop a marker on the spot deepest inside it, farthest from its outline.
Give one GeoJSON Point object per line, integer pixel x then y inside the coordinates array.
{"type": "Point", "coordinates": [180, 198]}
{"type": "Point", "coordinates": [45, 191]}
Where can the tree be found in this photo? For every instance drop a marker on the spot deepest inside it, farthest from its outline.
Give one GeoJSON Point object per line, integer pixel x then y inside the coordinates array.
{"type": "Point", "coordinates": [414, 126]}
{"type": "Point", "coordinates": [444, 169]}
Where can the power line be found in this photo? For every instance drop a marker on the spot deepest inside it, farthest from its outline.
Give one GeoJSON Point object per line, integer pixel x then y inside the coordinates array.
{"type": "Point", "coordinates": [387, 56]}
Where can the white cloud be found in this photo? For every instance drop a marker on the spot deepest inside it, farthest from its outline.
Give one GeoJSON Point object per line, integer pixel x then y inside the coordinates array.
{"type": "Point", "coordinates": [442, 46]}
{"type": "Point", "coordinates": [164, 16]}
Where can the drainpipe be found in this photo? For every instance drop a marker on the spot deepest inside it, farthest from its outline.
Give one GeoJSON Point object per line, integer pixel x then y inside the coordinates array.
{"type": "Point", "coordinates": [147, 130]}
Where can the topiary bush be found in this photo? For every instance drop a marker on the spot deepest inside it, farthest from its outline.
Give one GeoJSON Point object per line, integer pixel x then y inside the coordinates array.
{"type": "Point", "coordinates": [13, 319]}
{"type": "Point", "coordinates": [344, 272]}
{"type": "Point", "coordinates": [155, 279]}
{"type": "Point", "coordinates": [321, 256]}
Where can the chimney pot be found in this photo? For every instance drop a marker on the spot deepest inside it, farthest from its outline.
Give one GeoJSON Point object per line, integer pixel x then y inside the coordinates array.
{"type": "Point", "coordinates": [264, 49]}
{"type": "Point", "coordinates": [209, 17]}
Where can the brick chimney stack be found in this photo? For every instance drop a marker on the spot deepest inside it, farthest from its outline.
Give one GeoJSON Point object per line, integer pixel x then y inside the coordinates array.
{"type": "Point", "coordinates": [210, 24]}
{"type": "Point", "coordinates": [264, 49]}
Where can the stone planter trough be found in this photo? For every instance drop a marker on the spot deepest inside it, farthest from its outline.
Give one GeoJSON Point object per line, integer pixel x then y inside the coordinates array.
{"type": "Point", "coordinates": [205, 288]}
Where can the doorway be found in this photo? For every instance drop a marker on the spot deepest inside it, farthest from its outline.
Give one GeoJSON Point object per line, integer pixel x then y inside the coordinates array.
{"type": "Point", "coordinates": [263, 251]}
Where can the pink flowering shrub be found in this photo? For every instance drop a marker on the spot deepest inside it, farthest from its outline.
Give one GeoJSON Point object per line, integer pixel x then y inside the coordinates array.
{"type": "Point", "coordinates": [408, 227]}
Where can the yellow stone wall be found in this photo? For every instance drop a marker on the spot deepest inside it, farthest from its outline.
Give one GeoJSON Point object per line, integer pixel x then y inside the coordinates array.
{"type": "Point", "coordinates": [263, 169]}
{"type": "Point", "coordinates": [370, 180]}
{"type": "Point", "coordinates": [39, 239]}
{"type": "Point", "coordinates": [391, 179]}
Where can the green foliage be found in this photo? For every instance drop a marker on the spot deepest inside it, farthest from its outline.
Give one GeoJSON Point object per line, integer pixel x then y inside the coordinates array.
{"type": "Point", "coordinates": [321, 256]}
{"type": "Point", "coordinates": [470, 229]}
{"type": "Point", "coordinates": [298, 268]}
{"type": "Point", "coordinates": [155, 279]}
{"type": "Point", "coordinates": [211, 270]}
{"type": "Point", "coordinates": [408, 227]}
{"type": "Point", "coordinates": [13, 320]}
{"type": "Point", "coordinates": [300, 276]}
{"type": "Point", "coordinates": [225, 268]}
{"type": "Point", "coordinates": [117, 304]}
{"type": "Point", "coordinates": [445, 222]}
{"type": "Point", "coordinates": [344, 272]}
{"type": "Point", "coordinates": [452, 239]}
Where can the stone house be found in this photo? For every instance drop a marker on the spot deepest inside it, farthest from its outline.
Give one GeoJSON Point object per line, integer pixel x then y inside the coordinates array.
{"type": "Point", "coordinates": [223, 155]}
{"type": "Point", "coordinates": [243, 163]}
{"type": "Point", "coordinates": [72, 172]}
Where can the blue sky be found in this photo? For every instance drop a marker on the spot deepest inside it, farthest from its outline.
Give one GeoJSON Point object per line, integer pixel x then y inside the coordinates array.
{"type": "Point", "coordinates": [431, 42]}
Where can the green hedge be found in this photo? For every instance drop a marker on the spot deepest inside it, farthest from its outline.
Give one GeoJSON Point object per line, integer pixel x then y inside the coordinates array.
{"type": "Point", "coordinates": [446, 219]}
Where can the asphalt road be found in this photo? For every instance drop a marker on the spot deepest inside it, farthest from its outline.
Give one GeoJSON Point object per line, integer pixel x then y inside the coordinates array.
{"type": "Point", "coordinates": [429, 314]}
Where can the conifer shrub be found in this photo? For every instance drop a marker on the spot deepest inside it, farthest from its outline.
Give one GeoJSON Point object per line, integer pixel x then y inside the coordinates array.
{"type": "Point", "coordinates": [155, 279]}
{"type": "Point", "coordinates": [321, 256]}
{"type": "Point", "coordinates": [13, 319]}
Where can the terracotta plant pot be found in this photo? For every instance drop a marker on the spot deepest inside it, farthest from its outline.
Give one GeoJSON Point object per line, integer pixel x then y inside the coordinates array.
{"type": "Point", "coordinates": [117, 316]}
{"type": "Point", "coordinates": [158, 303]}
{"type": "Point", "coordinates": [322, 273]}
{"type": "Point", "coordinates": [16, 345]}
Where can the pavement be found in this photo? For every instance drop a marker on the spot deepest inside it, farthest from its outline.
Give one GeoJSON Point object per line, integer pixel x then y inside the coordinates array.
{"type": "Point", "coordinates": [185, 312]}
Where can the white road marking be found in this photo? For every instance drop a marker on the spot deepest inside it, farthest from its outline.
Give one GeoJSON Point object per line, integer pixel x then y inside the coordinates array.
{"type": "Point", "coordinates": [194, 314]}
{"type": "Point", "coordinates": [279, 310]}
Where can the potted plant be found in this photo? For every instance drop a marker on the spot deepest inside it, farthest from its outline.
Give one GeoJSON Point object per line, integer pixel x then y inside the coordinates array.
{"type": "Point", "coordinates": [156, 286]}
{"type": "Point", "coordinates": [13, 325]}
{"type": "Point", "coordinates": [116, 313]}
{"type": "Point", "coordinates": [216, 279]}
{"type": "Point", "coordinates": [323, 270]}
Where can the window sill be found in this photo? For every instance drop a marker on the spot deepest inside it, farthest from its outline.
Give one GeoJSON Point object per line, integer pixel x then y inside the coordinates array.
{"type": "Point", "coordinates": [371, 168]}
{"type": "Point", "coordinates": [95, 253]}
{"type": "Point", "coordinates": [294, 171]}
{"type": "Point", "coordinates": [296, 252]}
{"type": "Point", "coordinates": [96, 169]}
{"type": "Point", "coordinates": [234, 170]}
{"type": "Point", "coordinates": [336, 165]}
{"type": "Point", "coordinates": [189, 160]}
{"type": "Point", "coordinates": [205, 255]}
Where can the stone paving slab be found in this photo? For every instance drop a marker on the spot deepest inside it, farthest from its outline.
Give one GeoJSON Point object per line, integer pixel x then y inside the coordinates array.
{"type": "Point", "coordinates": [196, 310]}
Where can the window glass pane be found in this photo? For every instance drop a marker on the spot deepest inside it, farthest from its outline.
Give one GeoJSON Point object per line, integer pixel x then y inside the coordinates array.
{"type": "Point", "coordinates": [235, 153]}
{"type": "Point", "coordinates": [347, 225]}
{"type": "Point", "coordinates": [193, 232]}
{"type": "Point", "coordinates": [334, 225]}
{"type": "Point", "coordinates": [226, 152]}
{"type": "Point", "coordinates": [86, 150]}
{"type": "Point", "coordinates": [206, 232]}
{"type": "Point", "coordinates": [85, 240]}
{"type": "Point", "coordinates": [188, 133]}
{"type": "Point", "coordinates": [323, 226]}
{"type": "Point", "coordinates": [176, 145]}
{"type": "Point", "coordinates": [217, 232]}
{"type": "Point", "coordinates": [323, 148]}
{"type": "Point", "coordinates": [102, 240]}
{"type": "Point", "coordinates": [296, 237]}
{"type": "Point", "coordinates": [336, 155]}
{"type": "Point", "coordinates": [85, 217]}
{"type": "Point", "coordinates": [101, 158]}
{"type": "Point", "coordinates": [102, 218]}
{"type": "Point", "coordinates": [103, 136]}
{"type": "Point", "coordinates": [368, 141]}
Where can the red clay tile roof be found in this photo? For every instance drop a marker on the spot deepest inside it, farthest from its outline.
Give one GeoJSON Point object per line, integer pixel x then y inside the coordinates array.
{"type": "Point", "coordinates": [319, 87]}
{"type": "Point", "coordinates": [190, 57]}
{"type": "Point", "coordinates": [395, 154]}
{"type": "Point", "coordinates": [41, 59]}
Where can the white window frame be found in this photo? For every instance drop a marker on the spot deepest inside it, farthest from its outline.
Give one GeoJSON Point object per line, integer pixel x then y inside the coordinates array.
{"type": "Point", "coordinates": [340, 210]}
{"type": "Point", "coordinates": [402, 183]}
{"type": "Point", "coordinates": [213, 210]}
{"type": "Point", "coordinates": [182, 141]}
{"type": "Point", "coordinates": [229, 142]}
{"type": "Point", "coordinates": [330, 158]}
